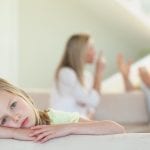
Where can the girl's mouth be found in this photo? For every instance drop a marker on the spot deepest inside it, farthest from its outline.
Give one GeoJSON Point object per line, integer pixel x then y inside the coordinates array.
{"type": "Point", "coordinates": [24, 122]}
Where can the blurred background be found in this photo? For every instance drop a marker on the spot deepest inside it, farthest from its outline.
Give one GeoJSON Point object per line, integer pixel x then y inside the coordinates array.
{"type": "Point", "coordinates": [34, 32]}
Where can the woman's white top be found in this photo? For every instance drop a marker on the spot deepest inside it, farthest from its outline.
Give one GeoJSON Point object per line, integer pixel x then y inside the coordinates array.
{"type": "Point", "coordinates": [69, 95]}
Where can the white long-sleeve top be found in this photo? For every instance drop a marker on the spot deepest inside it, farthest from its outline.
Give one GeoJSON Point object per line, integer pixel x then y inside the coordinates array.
{"type": "Point", "coordinates": [69, 95]}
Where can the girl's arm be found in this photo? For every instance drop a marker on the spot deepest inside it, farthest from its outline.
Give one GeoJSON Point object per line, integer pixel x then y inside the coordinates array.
{"type": "Point", "coordinates": [44, 133]}
{"type": "Point", "coordinates": [97, 127]}
{"type": "Point", "coordinates": [6, 133]}
{"type": "Point", "coordinates": [15, 133]}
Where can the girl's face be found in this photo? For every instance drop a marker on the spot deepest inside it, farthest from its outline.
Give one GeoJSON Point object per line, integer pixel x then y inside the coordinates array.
{"type": "Point", "coordinates": [15, 111]}
{"type": "Point", "coordinates": [90, 52]}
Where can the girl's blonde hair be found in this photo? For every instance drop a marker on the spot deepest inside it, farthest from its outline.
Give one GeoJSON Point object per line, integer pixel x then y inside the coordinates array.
{"type": "Point", "coordinates": [74, 55]}
{"type": "Point", "coordinates": [41, 116]}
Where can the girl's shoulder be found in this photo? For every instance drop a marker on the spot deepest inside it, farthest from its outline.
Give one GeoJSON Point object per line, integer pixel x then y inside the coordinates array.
{"type": "Point", "coordinates": [59, 117]}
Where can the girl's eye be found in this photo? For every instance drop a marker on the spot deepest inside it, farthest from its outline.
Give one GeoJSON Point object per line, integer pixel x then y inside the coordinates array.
{"type": "Point", "coordinates": [13, 105]}
{"type": "Point", "coordinates": [4, 120]}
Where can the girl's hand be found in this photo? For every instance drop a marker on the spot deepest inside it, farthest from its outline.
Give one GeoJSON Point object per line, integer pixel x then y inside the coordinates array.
{"type": "Point", "coordinates": [22, 134]}
{"type": "Point", "coordinates": [44, 133]}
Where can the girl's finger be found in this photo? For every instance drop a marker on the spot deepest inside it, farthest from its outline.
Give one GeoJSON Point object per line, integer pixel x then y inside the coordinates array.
{"type": "Point", "coordinates": [36, 132]}
{"type": "Point", "coordinates": [45, 139]}
{"type": "Point", "coordinates": [41, 136]}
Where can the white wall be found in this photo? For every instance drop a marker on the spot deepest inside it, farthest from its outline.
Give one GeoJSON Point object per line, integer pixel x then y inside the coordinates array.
{"type": "Point", "coordinates": [45, 25]}
{"type": "Point", "coordinates": [9, 39]}
{"type": "Point", "coordinates": [33, 34]}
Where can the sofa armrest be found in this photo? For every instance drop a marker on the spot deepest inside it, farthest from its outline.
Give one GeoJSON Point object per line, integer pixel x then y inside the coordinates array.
{"type": "Point", "coordinates": [123, 108]}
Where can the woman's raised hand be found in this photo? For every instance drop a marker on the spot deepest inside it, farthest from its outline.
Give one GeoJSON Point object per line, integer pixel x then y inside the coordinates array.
{"type": "Point", "coordinates": [100, 63]}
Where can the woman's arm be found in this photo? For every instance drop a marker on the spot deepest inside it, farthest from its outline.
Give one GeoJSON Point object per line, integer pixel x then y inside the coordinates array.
{"type": "Point", "coordinates": [99, 69]}
{"type": "Point", "coordinates": [70, 85]}
{"type": "Point", "coordinates": [128, 85]}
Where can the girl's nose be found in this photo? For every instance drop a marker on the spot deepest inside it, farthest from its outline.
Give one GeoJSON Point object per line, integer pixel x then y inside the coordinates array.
{"type": "Point", "coordinates": [16, 117]}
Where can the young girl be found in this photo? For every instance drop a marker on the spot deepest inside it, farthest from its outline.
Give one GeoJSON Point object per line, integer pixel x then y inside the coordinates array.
{"type": "Point", "coordinates": [74, 89]}
{"type": "Point", "coordinates": [20, 119]}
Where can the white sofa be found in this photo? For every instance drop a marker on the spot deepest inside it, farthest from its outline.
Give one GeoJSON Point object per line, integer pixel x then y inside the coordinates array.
{"type": "Point", "coordinates": [130, 141]}
{"type": "Point", "coordinates": [129, 109]}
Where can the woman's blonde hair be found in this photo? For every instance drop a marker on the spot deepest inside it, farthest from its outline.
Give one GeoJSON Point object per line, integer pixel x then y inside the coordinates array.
{"type": "Point", "coordinates": [74, 55]}
{"type": "Point", "coordinates": [41, 116]}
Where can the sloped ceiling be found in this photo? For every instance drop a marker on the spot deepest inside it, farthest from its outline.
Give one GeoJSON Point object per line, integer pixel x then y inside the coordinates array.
{"type": "Point", "coordinates": [121, 21]}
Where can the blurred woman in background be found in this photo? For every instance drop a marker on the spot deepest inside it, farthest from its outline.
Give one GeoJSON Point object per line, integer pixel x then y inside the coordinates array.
{"type": "Point", "coordinates": [74, 88]}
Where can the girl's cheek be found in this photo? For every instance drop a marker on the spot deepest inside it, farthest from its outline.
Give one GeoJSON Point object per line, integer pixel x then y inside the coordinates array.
{"type": "Point", "coordinates": [11, 123]}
